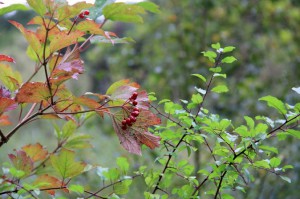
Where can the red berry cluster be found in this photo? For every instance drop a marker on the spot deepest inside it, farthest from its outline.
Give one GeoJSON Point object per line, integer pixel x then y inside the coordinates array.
{"type": "Point", "coordinates": [130, 120]}
{"type": "Point", "coordinates": [83, 14]}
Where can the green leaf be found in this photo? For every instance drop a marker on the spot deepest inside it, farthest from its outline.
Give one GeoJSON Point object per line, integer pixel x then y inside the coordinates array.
{"type": "Point", "coordinates": [123, 164]}
{"type": "Point", "coordinates": [216, 69]}
{"type": "Point", "coordinates": [149, 6]}
{"type": "Point", "coordinates": [294, 133]}
{"type": "Point", "coordinates": [275, 103]}
{"type": "Point", "coordinates": [11, 8]}
{"type": "Point", "coordinates": [275, 162]}
{"type": "Point", "coordinates": [228, 49]}
{"type": "Point", "coordinates": [76, 188]}
{"type": "Point", "coordinates": [216, 46]}
{"type": "Point", "coordinates": [250, 122]}
{"type": "Point", "coordinates": [268, 148]}
{"type": "Point", "coordinates": [38, 6]}
{"type": "Point", "coordinates": [124, 12]}
{"type": "Point", "coordinates": [79, 141]}
{"type": "Point", "coordinates": [200, 77]}
{"type": "Point", "coordinates": [228, 60]}
{"type": "Point", "coordinates": [262, 164]}
{"type": "Point", "coordinates": [65, 165]}
{"type": "Point", "coordinates": [227, 196]}
{"type": "Point", "coordinates": [220, 89]}
{"type": "Point", "coordinates": [122, 187]}
{"type": "Point", "coordinates": [113, 40]}
{"type": "Point", "coordinates": [197, 98]}
{"type": "Point", "coordinates": [286, 179]}
{"type": "Point", "coordinates": [210, 55]}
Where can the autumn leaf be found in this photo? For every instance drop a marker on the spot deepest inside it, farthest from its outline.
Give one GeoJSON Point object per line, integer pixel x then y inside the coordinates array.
{"type": "Point", "coordinates": [134, 136]}
{"type": "Point", "coordinates": [7, 104]}
{"type": "Point", "coordinates": [11, 79]}
{"type": "Point", "coordinates": [70, 66]}
{"type": "Point", "coordinates": [4, 120]}
{"type": "Point", "coordinates": [65, 165]}
{"type": "Point", "coordinates": [46, 181]}
{"type": "Point", "coordinates": [21, 161]}
{"type": "Point", "coordinates": [32, 92]}
{"type": "Point", "coordinates": [6, 58]}
{"type": "Point", "coordinates": [70, 11]}
{"type": "Point", "coordinates": [90, 27]}
{"type": "Point", "coordinates": [63, 39]}
{"type": "Point", "coordinates": [121, 91]}
{"type": "Point", "coordinates": [35, 151]}
{"type": "Point", "coordinates": [30, 36]}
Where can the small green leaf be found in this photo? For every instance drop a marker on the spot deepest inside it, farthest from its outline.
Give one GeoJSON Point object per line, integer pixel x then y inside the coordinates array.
{"type": "Point", "coordinates": [220, 89]}
{"type": "Point", "coordinates": [200, 77]}
{"type": "Point", "coordinates": [228, 60]}
{"type": "Point", "coordinates": [197, 98]}
{"type": "Point", "coordinates": [124, 12]}
{"type": "Point", "coordinates": [123, 164]}
{"type": "Point", "coordinates": [11, 8]}
{"type": "Point", "coordinates": [294, 133]}
{"type": "Point", "coordinates": [275, 103]}
{"type": "Point", "coordinates": [262, 164]}
{"type": "Point", "coordinates": [268, 148]}
{"type": "Point", "coordinates": [216, 70]}
{"type": "Point", "coordinates": [38, 6]}
{"type": "Point", "coordinates": [216, 46]}
{"type": "Point", "coordinates": [286, 179]}
{"type": "Point", "coordinates": [275, 162]}
{"type": "Point", "coordinates": [149, 6]}
{"type": "Point", "coordinates": [210, 55]}
{"type": "Point", "coordinates": [64, 164]}
{"type": "Point", "coordinates": [228, 49]}
{"type": "Point", "coordinates": [122, 187]}
{"type": "Point", "coordinates": [76, 188]}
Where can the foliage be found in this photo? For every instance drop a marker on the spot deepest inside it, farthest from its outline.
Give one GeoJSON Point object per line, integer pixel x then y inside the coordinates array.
{"type": "Point", "coordinates": [234, 151]}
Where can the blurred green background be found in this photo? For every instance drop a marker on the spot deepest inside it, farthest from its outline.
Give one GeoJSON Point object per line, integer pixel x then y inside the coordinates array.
{"type": "Point", "coordinates": [167, 50]}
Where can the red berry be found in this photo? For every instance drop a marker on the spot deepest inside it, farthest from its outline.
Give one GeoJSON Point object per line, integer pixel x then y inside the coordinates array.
{"type": "Point", "coordinates": [134, 96]}
{"type": "Point", "coordinates": [132, 119]}
{"type": "Point", "coordinates": [124, 127]}
{"type": "Point", "coordinates": [134, 103]}
{"type": "Point", "coordinates": [124, 122]}
{"type": "Point", "coordinates": [136, 109]}
{"type": "Point", "coordinates": [135, 113]}
{"type": "Point", "coordinates": [86, 12]}
{"type": "Point", "coordinates": [81, 15]}
{"type": "Point", "coordinates": [128, 121]}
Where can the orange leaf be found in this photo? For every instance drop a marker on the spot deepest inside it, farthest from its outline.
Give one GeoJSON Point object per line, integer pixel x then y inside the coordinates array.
{"type": "Point", "coordinates": [90, 27]}
{"type": "Point", "coordinates": [35, 151]}
{"type": "Point", "coordinates": [7, 104]}
{"type": "Point", "coordinates": [30, 36]}
{"type": "Point", "coordinates": [32, 92]}
{"type": "Point", "coordinates": [21, 161]}
{"type": "Point", "coordinates": [4, 120]}
{"type": "Point", "coordinates": [49, 182]}
{"type": "Point", "coordinates": [63, 39]}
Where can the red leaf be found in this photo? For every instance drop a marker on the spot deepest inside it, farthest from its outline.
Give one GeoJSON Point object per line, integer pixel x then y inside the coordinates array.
{"type": "Point", "coordinates": [134, 136]}
{"type": "Point", "coordinates": [32, 92]}
{"type": "Point", "coordinates": [49, 182]}
{"type": "Point", "coordinates": [7, 104]}
{"type": "Point", "coordinates": [4, 120]}
{"type": "Point", "coordinates": [35, 151]}
{"type": "Point", "coordinates": [70, 66]}
{"type": "Point", "coordinates": [21, 161]}
{"type": "Point", "coordinates": [6, 58]}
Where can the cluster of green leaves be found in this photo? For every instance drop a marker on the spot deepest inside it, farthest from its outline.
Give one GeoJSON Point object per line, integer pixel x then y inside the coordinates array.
{"type": "Point", "coordinates": [234, 151]}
